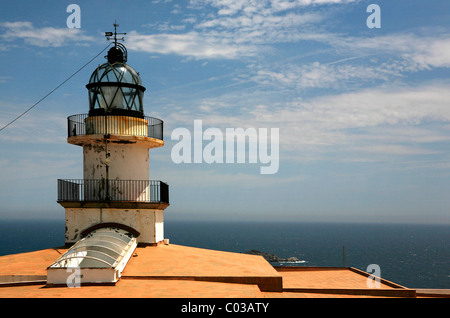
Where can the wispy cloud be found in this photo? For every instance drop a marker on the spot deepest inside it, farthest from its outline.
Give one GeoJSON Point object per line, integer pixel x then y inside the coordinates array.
{"type": "Point", "coordinates": [231, 7]}
{"type": "Point", "coordinates": [191, 44]}
{"type": "Point", "coordinates": [427, 49]}
{"type": "Point", "coordinates": [48, 165]}
{"type": "Point", "coordinates": [43, 37]}
{"type": "Point", "coordinates": [225, 36]}
{"type": "Point", "coordinates": [394, 120]}
{"type": "Point", "coordinates": [331, 121]}
{"type": "Point", "coordinates": [207, 178]}
{"type": "Point", "coordinates": [41, 126]}
{"type": "Point", "coordinates": [243, 29]}
{"type": "Point", "coordinates": [363, 80]}
{"type": "Point", "coordinates": [320, 75]}
{"type": "Point", "coordinates": [4, 79]}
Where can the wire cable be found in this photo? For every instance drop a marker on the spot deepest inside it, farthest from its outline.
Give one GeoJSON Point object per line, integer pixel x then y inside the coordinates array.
{"type": "Point", "coordinates": [51, 92]}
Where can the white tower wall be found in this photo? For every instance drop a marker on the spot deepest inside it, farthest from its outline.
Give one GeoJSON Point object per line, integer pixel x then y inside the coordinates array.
{"type": "Point", "coordinates": [125, 162]}
{"type": "Point", "coordinates": [148, 222]}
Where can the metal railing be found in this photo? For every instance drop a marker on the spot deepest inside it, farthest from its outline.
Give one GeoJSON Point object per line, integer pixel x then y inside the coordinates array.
{"type": "Point", "coordinates": [102, 190]}
{"type": "Point", "coordinates": [83, 124]}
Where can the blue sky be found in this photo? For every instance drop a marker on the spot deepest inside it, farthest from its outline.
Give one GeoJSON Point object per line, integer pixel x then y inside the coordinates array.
{"type": "Point", "coordinates": [363, 113]}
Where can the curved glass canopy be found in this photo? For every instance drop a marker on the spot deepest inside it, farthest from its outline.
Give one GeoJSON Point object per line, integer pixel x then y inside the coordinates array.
{"type": "Point", "coordinates": [101, 248]}
{"type": "Point", "coordinates": [115, 88]}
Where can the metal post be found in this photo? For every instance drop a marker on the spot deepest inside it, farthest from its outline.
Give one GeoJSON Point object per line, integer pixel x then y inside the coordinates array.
{"type": "Point", "coordinates": [106, 156]}
{"type": "Point", "coordinates": [343, 256]}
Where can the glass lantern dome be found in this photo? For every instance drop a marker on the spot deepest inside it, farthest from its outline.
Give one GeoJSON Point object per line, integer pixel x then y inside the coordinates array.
{"type": "Point", "coordinates": [115, 88]}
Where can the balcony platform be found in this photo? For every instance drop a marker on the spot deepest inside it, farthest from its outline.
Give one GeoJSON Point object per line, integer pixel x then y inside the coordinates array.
{"type": "Point", "coordinates": [147, 142]}
{"type": "Point", "coordinates": [115, 204]}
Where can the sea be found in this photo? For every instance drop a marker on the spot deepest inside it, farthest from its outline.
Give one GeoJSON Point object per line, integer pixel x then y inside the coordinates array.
{"type": "Point", "coordinates": [412, 255]}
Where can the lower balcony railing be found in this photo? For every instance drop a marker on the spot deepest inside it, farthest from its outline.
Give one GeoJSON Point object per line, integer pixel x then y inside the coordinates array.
{"type": "Point", "coordinates": [101, 190]}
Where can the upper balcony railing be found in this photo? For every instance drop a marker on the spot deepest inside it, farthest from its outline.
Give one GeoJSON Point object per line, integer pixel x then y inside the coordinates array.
{"type": "Point", "coordinates": [102, 190]}
{"type": "Point", "coordinates": [83, 124]}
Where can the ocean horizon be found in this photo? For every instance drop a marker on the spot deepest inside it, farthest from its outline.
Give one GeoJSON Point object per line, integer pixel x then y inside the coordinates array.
{"type": "Point", "coordinates": [412, 255]}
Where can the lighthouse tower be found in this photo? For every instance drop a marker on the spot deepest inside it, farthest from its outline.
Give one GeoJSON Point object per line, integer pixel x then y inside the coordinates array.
{"type": "Point", "coordinates": [116, 191]}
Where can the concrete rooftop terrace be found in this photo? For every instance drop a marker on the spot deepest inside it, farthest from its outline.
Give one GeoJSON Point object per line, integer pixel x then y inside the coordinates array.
{"type": "Point", "coordinates": [176, 271]}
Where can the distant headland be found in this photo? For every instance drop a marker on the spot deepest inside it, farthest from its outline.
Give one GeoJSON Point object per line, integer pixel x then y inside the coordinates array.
{"type": "Point", "coordinates": [271, 258]}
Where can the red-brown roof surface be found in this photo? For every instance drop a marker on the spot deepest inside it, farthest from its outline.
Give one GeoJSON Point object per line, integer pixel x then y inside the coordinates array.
{"type": "Point", "coordinates": [176, 271]}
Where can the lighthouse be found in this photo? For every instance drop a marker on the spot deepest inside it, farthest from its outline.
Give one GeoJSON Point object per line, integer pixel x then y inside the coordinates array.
{"type": "Point", "coordinates": [116, 191]}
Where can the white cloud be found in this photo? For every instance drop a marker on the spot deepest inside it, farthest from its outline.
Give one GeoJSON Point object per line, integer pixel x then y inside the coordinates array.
{"type": "Point", "coordinates": [231, 7]}
{"type": "Point", "coordinates": [396, 120]}
{"type": "Point", "coordinates": [413, 52]}
{"type": "Point", "coordinates": [319, 75]}
{"type": "Point", "coordinates": [44, 37]}
{"type": "Point", "coordinates": [434, 52]}
{"type": "Point", "coordinates": [260, 29]}
{"type": "Point", "coordinates": [243, 28]}
{"type": "Point", "coordinates": [189, 44]}
{"type": "Point", "coordinates": [227, 37]}
{"type": "Point", "coordinates": [378, 106]}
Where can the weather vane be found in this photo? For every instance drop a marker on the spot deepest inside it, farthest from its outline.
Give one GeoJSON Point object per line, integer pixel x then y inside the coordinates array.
{"type": "Point", "coordinates": [110, 34]}
{"type": "Point", "coordinates": [118, 53]}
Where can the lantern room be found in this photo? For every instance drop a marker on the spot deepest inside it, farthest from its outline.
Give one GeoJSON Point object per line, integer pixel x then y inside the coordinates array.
{"type": "Point", "coordinates": [115, 88]}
